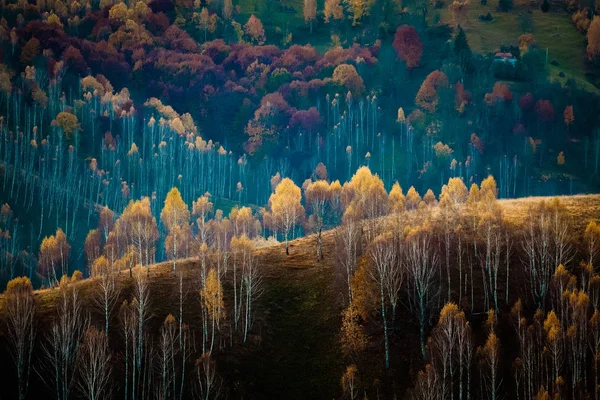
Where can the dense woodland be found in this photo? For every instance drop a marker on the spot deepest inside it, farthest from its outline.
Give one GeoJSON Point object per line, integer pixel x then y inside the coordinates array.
{"type": "Point", "coordinates": [208, 135]}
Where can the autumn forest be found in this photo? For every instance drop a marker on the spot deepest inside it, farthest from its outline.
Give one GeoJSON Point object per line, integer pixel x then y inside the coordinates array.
{"type": "Point", "coordinates": [300, 199]}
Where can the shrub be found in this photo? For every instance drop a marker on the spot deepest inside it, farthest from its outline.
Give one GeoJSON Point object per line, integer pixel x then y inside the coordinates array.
{"type": "Point", "coordinates": [486, 18]}
{"type": "Point", "coordinates": [545, 6]}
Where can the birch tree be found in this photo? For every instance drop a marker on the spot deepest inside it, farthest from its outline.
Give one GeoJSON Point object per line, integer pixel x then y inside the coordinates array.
{"type": "Point", "coordinates": [62, 344]}
{"type": "Point", "coordinates": [286, 208]}
{"type": "Point", "coordinates": [175, 216]}
{"type": "Point", "coordinates": [20, 306]}
{"type": "Point", "coordinates": [107, 290]}
{"type": "Point", "coordinates": [318, 197]}
{"type": "Point", "coordinates": [422, 263]}
{"type": "Point", "coordinates": [388, 274]}
{"type": "Point", "coordinates": [94, 366]}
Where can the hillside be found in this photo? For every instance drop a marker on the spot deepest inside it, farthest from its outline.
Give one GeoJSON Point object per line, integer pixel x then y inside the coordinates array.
{"type": "Point", "coordinates": [294, 351]}
{"type": "Point", "coordinates": [553, 31]}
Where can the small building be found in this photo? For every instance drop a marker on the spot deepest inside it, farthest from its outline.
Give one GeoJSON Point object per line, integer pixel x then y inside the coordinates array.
{"type": "Point", "coordinates": [506, 58]}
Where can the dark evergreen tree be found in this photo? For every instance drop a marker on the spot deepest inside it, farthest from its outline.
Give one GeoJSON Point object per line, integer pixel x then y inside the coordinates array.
{"type": "Point", "coordinates": [545, 6]}
{"type": "Point", "coordinates": [461, 49]}
{"type": "Point", "coordinates": [505, 5]}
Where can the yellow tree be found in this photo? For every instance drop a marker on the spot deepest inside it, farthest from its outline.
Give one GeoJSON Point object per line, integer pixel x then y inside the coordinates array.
{"type": "Point", "coordinates": [347, 76]}
{"type": "Point", "coordinates": [286, 208]}
{"type": "Point", "coordinates": [92, 246]}
{"type": "Point", "coordinates": [350, 382]}
{"type": "Point", "coordinates": [63, 249]}
{"type": "Point", "coordinates": [365, 198]}
{"type": "Point", "coordinates": [202, 209]}
{"type": "Point", "coordinates": [353, 339]}
{"type": "Point", "coordinates": [243, 222]}
{"type": "Point", "coordinates": [68, 122]}
{"type": "Point", "coordinates": [333, 10]}
{"type": "Point", "coordinates": [54, 252]}
{"type": "Point", "coordinates": [175, 216]}
{"type": "Point", "coordinates": [396, 200]}
{"type": "Point", "coordinates": [310, 12]}
{"type": "Point", "coordinates": [212, 300]}
{"type": "Point", "coordinates": [554, 343]}
{"type": "Point", "coordinates": [254, 30]}
{"type": "Point", "coordinates": [47, 259]}
{"type": "Point", "coordinates": [241, 249]}
{"type": "Point", "coordinates": [359, 9]}
{"type": "Point", "coordinates": [592, 239]}
{"type": "Point", "coordinates": [413, 199]}
{"type": "Point", "coordinates": [490, 357]}
{"type": "Point", "coordinates": [317, 199]}
{"type": "Point", "coordinates": [138, 227]}
{"type": "Point", "coordinates": [206, 21]}
{"type": "Point", "coordinates": [445, 342]}
{"type": "Point", "coordinates": [227, 9]}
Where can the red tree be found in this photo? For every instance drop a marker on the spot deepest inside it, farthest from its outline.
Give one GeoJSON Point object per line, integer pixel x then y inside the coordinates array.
{"type": "Point", "coordinates": [545, 110]}
{"type": "Point", "coordinates": [428, 96]}
{"type": "Point", "coordinates": [408, 46]}
{"type": "Point", "coordinates": [526, 102]}
{"type": "Point", "coordinates": [501, 92]}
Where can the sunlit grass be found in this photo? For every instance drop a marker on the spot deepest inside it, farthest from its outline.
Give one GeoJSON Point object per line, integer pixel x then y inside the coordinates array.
{"type": "Point", "coordinates": [553, 31]}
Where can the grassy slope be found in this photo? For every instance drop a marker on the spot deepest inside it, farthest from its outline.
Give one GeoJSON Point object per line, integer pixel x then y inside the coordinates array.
{"type": "Point", "coordinates": [552, 30]}
{"type": "Point", "coordinates": [298, 356]}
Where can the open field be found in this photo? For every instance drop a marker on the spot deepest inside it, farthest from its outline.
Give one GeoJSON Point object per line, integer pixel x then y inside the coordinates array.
{"type": "Point", "coordinates": [553, 31]}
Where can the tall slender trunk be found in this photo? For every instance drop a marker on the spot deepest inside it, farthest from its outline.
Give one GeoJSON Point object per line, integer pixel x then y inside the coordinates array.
{"type": "Point", "coordinates": [385, 327]}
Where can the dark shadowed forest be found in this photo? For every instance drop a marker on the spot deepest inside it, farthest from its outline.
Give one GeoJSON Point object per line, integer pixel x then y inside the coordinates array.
{"type": "Point", "coordinates": [292, 199]}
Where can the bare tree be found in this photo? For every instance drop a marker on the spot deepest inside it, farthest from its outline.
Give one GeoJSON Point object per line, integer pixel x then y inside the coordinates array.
{"type": "Point", "coordinates": [61, 347]}
{"type": "Point", "coordinates": [347, 243]}
{"type": "Point", "coordinates": [127, 319]}
{"type": "Point", "coordinates": [465, 356]}
{"type": "Point", "coordinates": [444, 348]}
{"type": "Point", "coordinates": [166, 358]}
{"type": "Point", "coordinates": [94, 366]}
{"type": "Point", "coordinates": [253, 288]}
{"type": "Point", "coordinates": [547, 245]}
{"type": "Point", "coordinates": [185, 352]}
{"type": "Point", "coordinates": [20, 308]}
{"type": "Point", "coordinates": [536, 244]}
{"type": "Point", "coordinates": [387, 273]}
{"type": "Point", "coordinates": [428, 385]}
{"type": "Point", "coordinates": [594, 343]}
{"type": "Point", "coordinates": [560, 226]}
{"type": "Point", "coordinates": [208, 384]}
{"type": "Point", "coordinates": [107, 290]}
{"type": "Point", "coordinates": [141, 306]}
{"type": "Point", "coordinates": [422, 264]}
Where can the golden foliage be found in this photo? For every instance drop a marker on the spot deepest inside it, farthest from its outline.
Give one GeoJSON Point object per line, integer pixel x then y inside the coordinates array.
{"type": "Point", "coordinates": [346, 75]}
{"type": "Point", "coordinates": [364, 196]}
{"type": "Point", "coordinates": [353, 339]}
{"type": "Point", "coordinates": [212, 295]}
{"type": "Point", "coordinates": [412, 199]}
{"type": "Point", "coordinates": [68, 122]}
{"type": "Point", "coordinates": [175, 212]}
{"type": "Point", "coordinates": [396, 199]}
{"type": "Point", "coordinates": [593, 37]}
{"type": "Point", "coordinates": [333, 10]}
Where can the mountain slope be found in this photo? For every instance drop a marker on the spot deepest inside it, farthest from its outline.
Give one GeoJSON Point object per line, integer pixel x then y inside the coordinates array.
{"type": "Point", "coordinates": [293, 351]}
